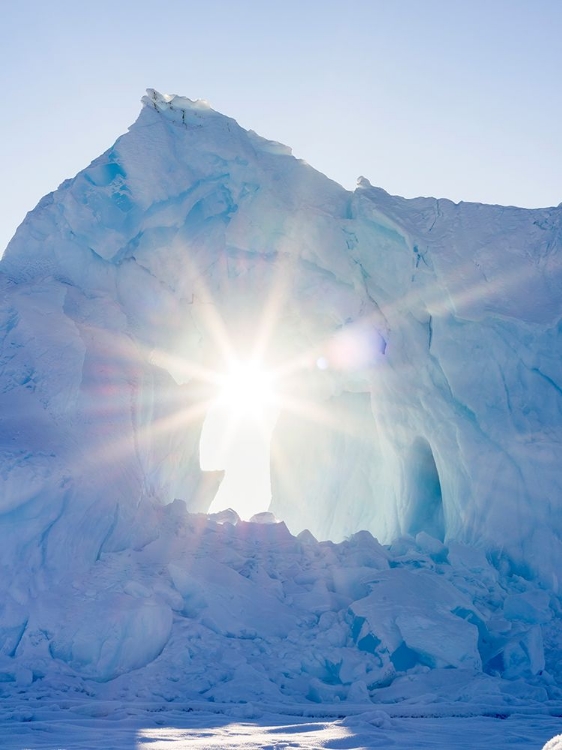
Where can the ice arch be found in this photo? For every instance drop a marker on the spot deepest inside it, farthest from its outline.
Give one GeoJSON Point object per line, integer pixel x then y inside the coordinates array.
{"type": "Point", "coordinates": [240, 446]}
{"type": "Point", "coordinates": [119, 286]}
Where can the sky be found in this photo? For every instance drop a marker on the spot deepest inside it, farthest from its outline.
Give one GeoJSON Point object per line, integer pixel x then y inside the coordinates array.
{"type": "Point", "coordinates": [451, 98]}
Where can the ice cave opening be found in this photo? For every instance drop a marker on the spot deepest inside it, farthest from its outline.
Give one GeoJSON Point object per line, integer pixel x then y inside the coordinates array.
{"type": "Point", "coordinates": [236, 438]}
{"type": "Point", "coordinates": [423, 498]}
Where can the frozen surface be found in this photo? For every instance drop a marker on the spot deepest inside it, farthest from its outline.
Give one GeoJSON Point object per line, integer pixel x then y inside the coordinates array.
{"type": "Point", "coordinates": [124, 727]}
{"type": "Point", "coordinates": [417, 344]}
{"type": "Point", "coordinates": [247, 614]}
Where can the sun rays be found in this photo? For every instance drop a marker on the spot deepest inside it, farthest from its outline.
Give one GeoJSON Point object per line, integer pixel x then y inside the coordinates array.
{"type": "Point", "coordinates": [249, 352]}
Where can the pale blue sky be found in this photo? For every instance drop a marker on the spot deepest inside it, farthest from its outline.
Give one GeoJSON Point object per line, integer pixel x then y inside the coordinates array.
{"type": "Point", "coordinates": [451, 98]}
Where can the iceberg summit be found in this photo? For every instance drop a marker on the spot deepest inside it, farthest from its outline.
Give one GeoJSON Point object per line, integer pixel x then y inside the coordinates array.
{"type": "Point", "coordinates": [417, 344]}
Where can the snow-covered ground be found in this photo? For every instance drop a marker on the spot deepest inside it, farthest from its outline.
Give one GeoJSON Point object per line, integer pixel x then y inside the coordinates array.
{"type": "Point", "coordinates": [243, 612]}
{"type": "Point", "coordinates": [351, 644]}
{"type": "Point", "coordinates": [124, 726]}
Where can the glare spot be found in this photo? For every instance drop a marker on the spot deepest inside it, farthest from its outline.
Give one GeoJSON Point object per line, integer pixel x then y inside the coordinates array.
{"type": "Point", "coordinates": [236, 438]}
{"type": "Point", "coordinates": [246, 389]}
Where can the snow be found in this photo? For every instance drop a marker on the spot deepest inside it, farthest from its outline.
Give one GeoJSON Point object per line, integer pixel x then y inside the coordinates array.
{"type": "Point", "coordinates": [116, 727]}
{"type": "Point", "coordinates": [243, 614]}
{"type": "Point", "coordinates": [417, 348]}
{"type": "Point", "coordinates": [554, 744]}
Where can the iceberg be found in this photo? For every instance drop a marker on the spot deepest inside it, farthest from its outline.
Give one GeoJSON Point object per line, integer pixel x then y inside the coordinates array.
{"type": "Point", "coordinates": [419, 346]}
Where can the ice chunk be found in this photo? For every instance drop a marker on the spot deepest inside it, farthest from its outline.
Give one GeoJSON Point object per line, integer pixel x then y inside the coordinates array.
{"type": "Point", "coordinates": [112, 636]}
{"type": "Point", "coordinates": [440, 641]}
{"type": "Point", "coordinates": [530, 606]}
{"type": "Point", "coordinates": [410, 615]}
{"type": "Point", "coordinates": [264, 517]}
{"type": "Point", "coordinates": [524, 655]}
{"type": "Point", "coordinates": [225, 516]}
{"type": "Point", "coordinates": [306, 537]}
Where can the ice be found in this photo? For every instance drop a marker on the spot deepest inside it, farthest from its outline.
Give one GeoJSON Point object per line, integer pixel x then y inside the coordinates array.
{"type": "Point", "coordinates": [409, 617]}
{"type": "Point", "coordinates": [441, 360]}
{"type": "Point", "coordinates": [530, 606]}
{"type": "Point", "coordinates": [263, 517]}
{"type": "Point", "coordinates": [112, 635]}
{"type": "Point", "coordinates": [317, 620]}
{"type": "Point", "coordinates": [418, 343]}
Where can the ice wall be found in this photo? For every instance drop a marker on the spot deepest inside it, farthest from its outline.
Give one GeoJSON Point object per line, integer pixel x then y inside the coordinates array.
{"type": "Point", "coordinates": [437, 405]}
{"type": "Point", "coordinates": [480, 362]}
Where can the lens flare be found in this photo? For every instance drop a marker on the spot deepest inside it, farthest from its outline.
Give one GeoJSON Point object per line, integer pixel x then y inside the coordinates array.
{"type": "Point", "coordinates": [246, 389]}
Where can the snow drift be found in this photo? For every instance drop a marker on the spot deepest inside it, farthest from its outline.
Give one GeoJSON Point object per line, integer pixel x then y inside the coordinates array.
{"type": "Point", "coordinates": [437, 330]}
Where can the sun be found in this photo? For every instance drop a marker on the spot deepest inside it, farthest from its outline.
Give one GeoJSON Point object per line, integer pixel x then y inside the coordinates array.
{"type": "Point", "coordinates": [246, 389]}
{"type": "Point", "coordinates": [236, 437]}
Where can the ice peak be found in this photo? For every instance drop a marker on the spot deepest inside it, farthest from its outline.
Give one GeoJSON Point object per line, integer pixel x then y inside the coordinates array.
{"type": "Point", "coordinates": [181, 110]}
{"type": "Point", "coordinates": [196, 113]}
{"type": "Point", "coordinates": [165, 102]}
{"type": "Point", "coordinates": [363, 182]}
